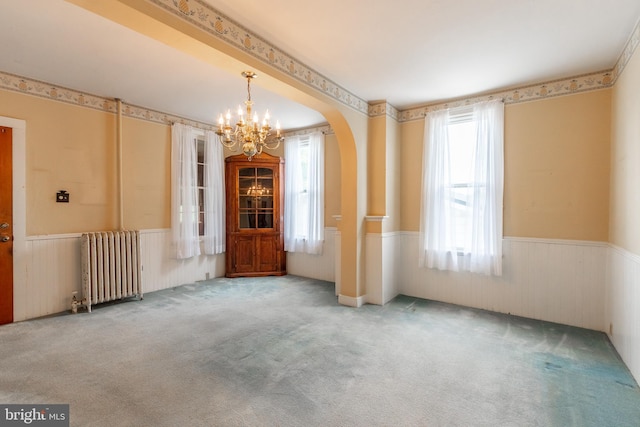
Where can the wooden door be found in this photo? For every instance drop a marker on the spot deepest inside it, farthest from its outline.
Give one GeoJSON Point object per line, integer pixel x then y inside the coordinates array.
{"type": "Point", "coordinates": [269, 253]}
{"type": "Point", "coordinates": [244, 253]}
{"type": "Point", "coordinates": [6, 227]}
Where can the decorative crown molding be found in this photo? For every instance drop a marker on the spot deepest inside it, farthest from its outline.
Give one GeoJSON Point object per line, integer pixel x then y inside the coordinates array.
{"type": "Point", "coordinates": [528, 93]}
{"type": "Point", "coordinates": [44, 90]}
{"type": "Point", "coordinates": [56, 93]}
{"type": "Point", "coordinates": [544, 90]}
{"type": "Point", "coordinates": [210, 20]}
{"type": "Point", "coordinates": [233, 33]}
{"type": "Point", "coordinates": [205, 17]}
{"type": "Point", "coordinates": [381, 108]}
{"type": "Point", "coordinates": [324, 128]}
{"type": "Point", "coordinates": [627, 52]}
{"type": "Point", "coordinates": [583, 83]}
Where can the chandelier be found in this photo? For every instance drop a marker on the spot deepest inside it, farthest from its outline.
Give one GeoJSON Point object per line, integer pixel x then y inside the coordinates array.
{"type": "Point", "coordinates": [251, 135]}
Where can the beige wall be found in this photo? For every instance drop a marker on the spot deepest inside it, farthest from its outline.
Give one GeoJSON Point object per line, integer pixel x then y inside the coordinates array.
{"type": "Point", "coordinates": [384, 177]}
{"type": "Point", "coordinates": [74, 149]}
{"type": "Point", "coordinates": [556, 168]}
{"type": "Point", "coordinates": [624, 225]}
{"type": "Point", "coordinates": [376, 161]}
{"type": "Point", "coordinates": [146, 157]}
{"type": "Point", "coordinates": [67, 148]}
{"type": "Point", "coordinates": [394, 178]}
{"type": "Point", "coordinates": [411, 174]}
{"type": "Point", "coordinates": [332, 180]}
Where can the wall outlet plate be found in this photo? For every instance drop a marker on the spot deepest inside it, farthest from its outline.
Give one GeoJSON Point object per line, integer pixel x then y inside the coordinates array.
{"type": "Point", "coordinates": [62, 197]}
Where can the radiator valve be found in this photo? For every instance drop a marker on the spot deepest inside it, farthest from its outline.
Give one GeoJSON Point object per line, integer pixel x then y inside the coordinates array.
{"type": "Point", "coordinates": [75, 302]}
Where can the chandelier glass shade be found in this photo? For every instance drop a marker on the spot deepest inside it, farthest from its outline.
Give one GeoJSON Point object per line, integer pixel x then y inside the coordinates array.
{"type": "Point", "coordinates": [249, 134]}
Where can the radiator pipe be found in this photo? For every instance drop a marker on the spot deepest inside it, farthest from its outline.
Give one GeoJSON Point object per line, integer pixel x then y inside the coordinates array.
{"type": "Point", "coordinates": [119, 165]}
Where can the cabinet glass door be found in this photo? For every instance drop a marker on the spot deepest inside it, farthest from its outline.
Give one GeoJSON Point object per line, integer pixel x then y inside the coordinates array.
{"type": "Point", "coordinates": [255, 197]}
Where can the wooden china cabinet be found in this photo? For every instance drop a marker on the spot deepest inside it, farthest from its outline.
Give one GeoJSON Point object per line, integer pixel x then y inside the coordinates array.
{"type": "Point", "coordinates": [255, 202]}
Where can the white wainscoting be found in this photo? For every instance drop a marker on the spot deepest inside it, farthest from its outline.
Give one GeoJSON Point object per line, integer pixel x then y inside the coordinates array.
{"type": "Point", "coordinates": [53, 271]}
{"type": "Point", "coordinates": [585, 284]}
{"type": "Point", "coordinates": [622, 308]}
{"type": "Point", "coordinates": [321, 267]}
{"type": "Point", "coordinates": [337, 247]}
{"type": "Point", "coordinates": [52, 266]}
{"type": "Point", "coordinates": [382, 254]}
{"type": "Point", "coordinates": [554, 280]}
{"type": "Point", "coordinates": [161, 270]}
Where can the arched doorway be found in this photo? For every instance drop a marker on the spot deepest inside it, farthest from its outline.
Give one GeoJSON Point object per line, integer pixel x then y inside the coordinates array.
{"type": "Point", "coordinates": [346, 114]}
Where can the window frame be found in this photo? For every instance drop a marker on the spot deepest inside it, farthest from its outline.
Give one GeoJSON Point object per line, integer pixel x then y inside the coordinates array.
{"type": "Point", "coordinates": [461, 118]}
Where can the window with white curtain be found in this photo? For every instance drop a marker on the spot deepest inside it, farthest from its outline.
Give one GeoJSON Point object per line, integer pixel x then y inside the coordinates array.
{"type": "Point", "coordinates": [301, 220]}
{"type": "Point", "coordinates": [462, 194]}
{"type": "Point", "coordinates": [197, 192]}
{"type": "Point", "coordinates": [201, 183]}
{"type": "Point", "coordinates": [304, 193]}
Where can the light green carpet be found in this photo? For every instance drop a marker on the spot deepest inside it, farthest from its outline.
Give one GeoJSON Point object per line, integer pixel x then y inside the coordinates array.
{"type": "Point", "coordinates": [282, 352]}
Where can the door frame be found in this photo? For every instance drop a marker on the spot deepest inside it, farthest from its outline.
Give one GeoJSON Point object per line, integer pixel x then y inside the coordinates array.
{"type": "Point", "coordinates": [18, 145]}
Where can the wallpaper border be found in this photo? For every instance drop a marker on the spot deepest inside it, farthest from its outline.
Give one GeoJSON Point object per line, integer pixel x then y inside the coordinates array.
{"type": "Point", "coordinates": [534, 92]}
{"type": "Point", "coordinates": [213, 22]}
{"type": "Point", "coordinates": [210, 20]}
{"type": "Point", "coordinates": [53, 92]}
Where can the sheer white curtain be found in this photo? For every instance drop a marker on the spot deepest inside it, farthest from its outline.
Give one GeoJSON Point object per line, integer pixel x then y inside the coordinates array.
{"type": "Point", "coordinates": [304, 194]}
{"type": "Point", "coordinates": [184, 191]}
{"type": "Point", "coordinates": [214, 196]}
{"type": "Point", "coordinates": [482, 252]}
{"type": "Point", "coordinates": [485, 255]}
{"type": "Point", "coordinates": [437, 223]}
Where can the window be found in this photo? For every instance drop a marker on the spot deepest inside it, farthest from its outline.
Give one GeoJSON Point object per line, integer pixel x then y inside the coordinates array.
{"type": "Point", "coordinates": [197, 192]}
{"type": "Point", "coordinates": [461, 215]}
{"type": "Point", "coordinates": [201, 181]}
{"type": "Point", "coordinates": [197, 215]}
{"type": "Point", "coordinates": [301, 219]}
{"type": "Point", "coordinates": [461, 149]}
{"type": "Point", "coordinates": [304, 193]}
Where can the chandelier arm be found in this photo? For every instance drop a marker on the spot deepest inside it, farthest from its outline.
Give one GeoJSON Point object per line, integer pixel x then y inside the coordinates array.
{"type": "Point", "coordinates": [231, 143]}
{"type": "Point", "coordinates": [276, 141]}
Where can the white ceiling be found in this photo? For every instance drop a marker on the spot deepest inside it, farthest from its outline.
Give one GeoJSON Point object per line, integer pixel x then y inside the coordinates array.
{"type": "Point", "coordinates": [408, 52]}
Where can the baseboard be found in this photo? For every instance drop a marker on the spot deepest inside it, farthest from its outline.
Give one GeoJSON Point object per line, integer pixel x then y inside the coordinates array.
{"type": "Point", "coordinates": [351, 301]}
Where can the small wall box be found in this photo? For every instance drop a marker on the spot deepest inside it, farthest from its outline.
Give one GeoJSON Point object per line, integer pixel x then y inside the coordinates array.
{"type": "Point", "coordinates": [62, 197]}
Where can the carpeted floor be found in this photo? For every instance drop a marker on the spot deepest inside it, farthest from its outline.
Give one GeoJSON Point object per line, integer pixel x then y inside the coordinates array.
{"type": "Point", "coordinates": [283, 352]}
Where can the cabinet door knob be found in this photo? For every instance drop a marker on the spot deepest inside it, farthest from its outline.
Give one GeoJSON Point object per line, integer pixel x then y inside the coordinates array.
{"type": "Point", "coordinates": [5, 238]}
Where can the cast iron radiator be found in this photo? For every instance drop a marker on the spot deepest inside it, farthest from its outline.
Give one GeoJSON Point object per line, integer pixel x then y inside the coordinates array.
{"type": "Point", "coordinates": [111, 267]}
